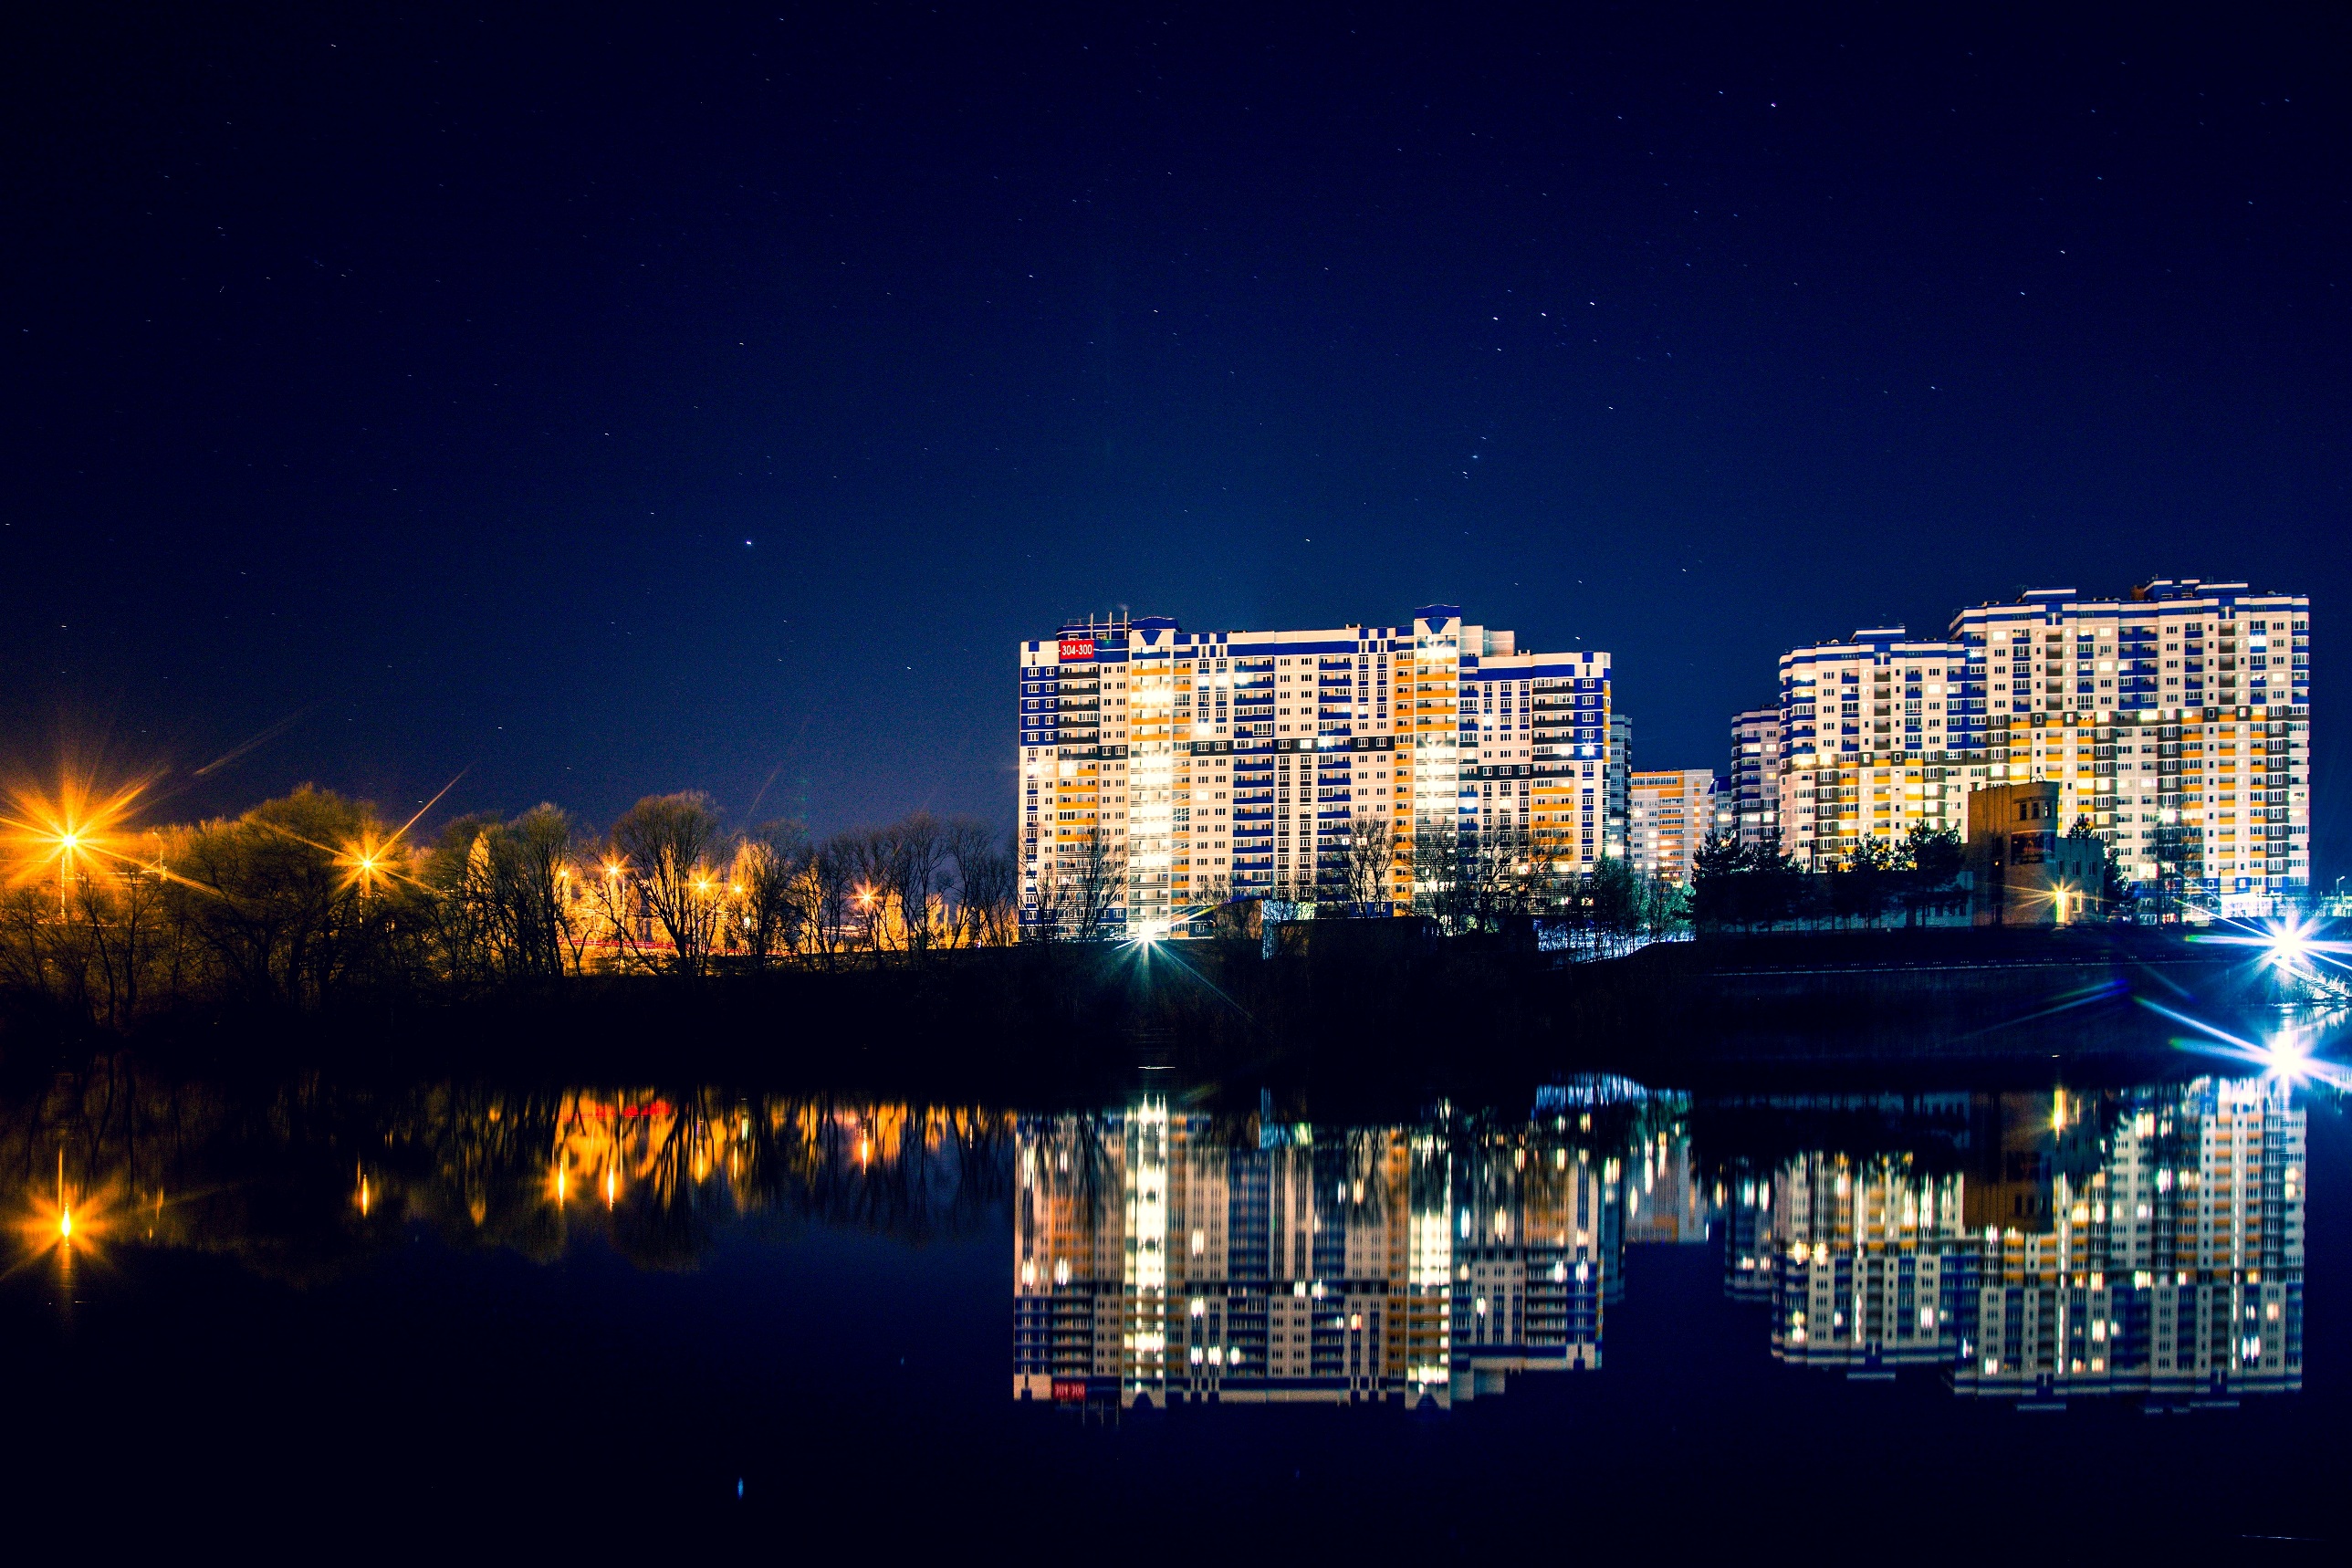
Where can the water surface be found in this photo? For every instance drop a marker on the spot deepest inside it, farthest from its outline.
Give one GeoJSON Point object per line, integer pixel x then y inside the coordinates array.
{"type": "Point", "coordinates": [1756, 1321]}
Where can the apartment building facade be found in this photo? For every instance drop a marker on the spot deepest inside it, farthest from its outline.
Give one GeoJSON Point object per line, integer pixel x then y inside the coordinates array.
{"type": "Point", "coordinates": [1161, 772]}
{"type": "Point", "coordinates": [1876, 734]}
{"type": "Point", "coordinates": [1755, 785]}
{"type": "Point", "coordinates": [2174, 719]}
{"type": "Point", "coordinates": [1670, 814]}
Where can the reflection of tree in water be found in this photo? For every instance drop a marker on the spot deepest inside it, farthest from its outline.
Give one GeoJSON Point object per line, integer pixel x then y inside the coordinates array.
{"type": "Point", "coordinates": [908, 1171]}
{"type": "Point", "coordinates": [1078, 1169]}
{"type": "Point", "coordinates": [307, 1179]}
{"type": "Point", "coordinates": [151, 1159]}
{"type": "Point", "coordinates": [1736, 1135]}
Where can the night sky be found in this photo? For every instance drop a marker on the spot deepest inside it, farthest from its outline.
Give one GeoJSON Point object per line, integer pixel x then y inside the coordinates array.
{"type": "Point", "coordinates": [604, 406]}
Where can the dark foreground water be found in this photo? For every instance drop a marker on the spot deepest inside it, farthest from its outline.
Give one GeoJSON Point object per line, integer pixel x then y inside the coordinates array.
{"type": "Point", "coordinates": [325, 1321]}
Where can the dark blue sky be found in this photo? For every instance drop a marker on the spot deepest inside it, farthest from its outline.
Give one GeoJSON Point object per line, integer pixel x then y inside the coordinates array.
{"type": "Point", "coordinates": [425, 377]}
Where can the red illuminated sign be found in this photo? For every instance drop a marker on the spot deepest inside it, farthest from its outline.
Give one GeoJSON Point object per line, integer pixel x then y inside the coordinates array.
{"type": "Point", "coordinates": [1077, 647]}
{"type": "Point", "coordinates": [1069, 1390]}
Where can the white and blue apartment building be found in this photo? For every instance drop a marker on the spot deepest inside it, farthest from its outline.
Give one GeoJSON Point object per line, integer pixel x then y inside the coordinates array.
{"type": "Point", "coordinates": [2176, 720]}
{"type": "Point", "coordinates": [1195, 767]}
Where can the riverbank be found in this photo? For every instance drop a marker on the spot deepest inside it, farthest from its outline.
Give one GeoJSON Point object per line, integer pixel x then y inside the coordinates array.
{"type": "Point", "coordinates": [1359, 1003]}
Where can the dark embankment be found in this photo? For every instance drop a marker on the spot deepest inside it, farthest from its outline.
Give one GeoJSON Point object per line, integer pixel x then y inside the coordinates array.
{"type": "Point", "coordinates": [1344, 1010]}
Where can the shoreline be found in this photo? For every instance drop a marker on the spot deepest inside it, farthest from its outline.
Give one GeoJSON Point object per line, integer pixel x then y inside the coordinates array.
{"type": "Point", "coordinates": [1350, 1010]}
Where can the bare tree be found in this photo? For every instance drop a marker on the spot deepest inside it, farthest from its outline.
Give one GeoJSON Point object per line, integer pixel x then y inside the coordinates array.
{"type": "Point", "coordinates": [867, 855]}
{"type": "Point", "coordinates": [985, 884]}
{"type": "Point", "coordinates": [829, 898]}
{"type": "Point", "coordinates": [298, 898]}
{"type": "Point", "coordinates": [1095, 874]}
{"type": "Point", "coordinates": [125, 917]}
{"type": "Point", "coordinates": [914, 865]}
{"type": "Point", "coordinates": [665, 840]}
{"type": "Point", "coordinates": [529, 860]}
{"type": "Point", "coordinates": [769, 866]}
{"type": "Point", "coordinates": [1371, 854]}
{"type": "Point", "coordinates": [1049, 915]}
{"type": "Point", "coordinates": [1443, 877]}
{"type": "Point", "coordinates": [617, 915]}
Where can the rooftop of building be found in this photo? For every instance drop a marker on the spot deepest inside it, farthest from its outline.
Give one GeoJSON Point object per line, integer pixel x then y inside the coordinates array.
{"type": "Point", "coordinates": [2156, 590]}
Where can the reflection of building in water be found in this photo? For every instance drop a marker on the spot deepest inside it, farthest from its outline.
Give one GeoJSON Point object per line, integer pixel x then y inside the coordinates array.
{"type": "Point", "coordinates": [1154, 1255]}
{"type": "Point", "coordinates": [1167, 1258]}
{"type": "Point", "coordinates": [1746, 1221]}
{"type": "Point", "coordinates": [1538, 1236]}
{"type": "Point", "coordinates": [1667, 1199]}
{"type": "Point", "coordinates": [2172, 1260]}
{"type": "Point", "coordinates": [1871, 1265]}
{"type": "Point", "coordinates": [2142, 1241]}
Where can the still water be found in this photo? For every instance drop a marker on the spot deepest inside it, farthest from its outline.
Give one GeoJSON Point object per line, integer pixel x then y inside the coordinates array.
{"type": "Point", "coordinates": [1779, 1323]}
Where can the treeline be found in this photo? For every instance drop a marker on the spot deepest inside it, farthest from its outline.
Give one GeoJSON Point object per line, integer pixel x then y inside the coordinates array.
{"type": "Point", "coordinates": [1755, 887]}
{"type": "Point", "coordinates": [1472, 882]}
{"type": "Point", "coordinates": [1463, 882]}
{"type": "Point", "coordinates": [308, 901]}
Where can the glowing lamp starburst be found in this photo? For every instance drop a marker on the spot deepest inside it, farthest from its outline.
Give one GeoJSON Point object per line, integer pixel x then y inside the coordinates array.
{"type": "Point", "coordinates": [2293, 947]}
{"type": "Point", "coordinates": [367, 863]}
{"type": "Point", "coordinates": [70, 834]}
{"type": "Point", "coordinates": [70, 1222]}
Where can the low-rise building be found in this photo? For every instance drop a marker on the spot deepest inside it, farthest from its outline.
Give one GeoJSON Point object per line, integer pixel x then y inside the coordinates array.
{"type": "Point", "coordinates": [2024, 868]}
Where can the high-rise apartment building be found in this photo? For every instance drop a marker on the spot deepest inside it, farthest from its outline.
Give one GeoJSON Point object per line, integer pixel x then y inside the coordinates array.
{"type": "Point", "coordinates": [1756, 776]}
{"type": "Point", "coordinates": [1874, 736]}
{"type": "Point", "coordinates": [2176, 721]}
{"type": "Point", "coordinates": [1618, 801]}
{"type": "Point", "coordinates": [1162, 772]}
{"type": "Point", "coordinates": [1668, 818]}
